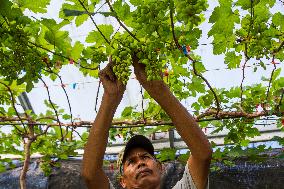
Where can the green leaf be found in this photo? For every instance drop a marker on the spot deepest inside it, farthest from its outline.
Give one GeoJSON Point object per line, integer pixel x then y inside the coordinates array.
{"type": "Point", "coordinates": [66, 116]}
{"type": "Point", "coordinates": [223, 19]}
{"type": "Point", "coordinates": [39, 6]}
{"type": "Point", "coordinates": [277, 20]}
{"type": "Point", "coordinates": [245, 143]}
{"type": "Point", "coordinates": [29, 86]}
{"type": "Point", "coordinates": [76, 51]}
{"type": "Point", "coordinates": [135, 2]}
{"type": "Point", "coordinates": [96, 36]}
{"type": "Point", "coordinates": [127, 111]}
{"type": "Point", "coordinates": [11, 112]}
{"type": "Point", "coordinates": [232, 60]}
{"type": "Point", "coordinates": [81, 19]}
{"type": "Point", "coordinates": [122, 9]}
{"type": "Point", "coordinates": [167, 154]}
{"type": "Point", "coordinates": [106, 14]}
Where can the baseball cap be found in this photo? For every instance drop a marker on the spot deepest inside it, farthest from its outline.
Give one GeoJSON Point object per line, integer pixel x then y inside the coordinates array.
{"type": "Point", "coordinates": [137, 141]}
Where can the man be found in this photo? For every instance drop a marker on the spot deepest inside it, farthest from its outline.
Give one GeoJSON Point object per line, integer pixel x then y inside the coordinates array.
{"type": "Point", "coordinates": [139, 168]}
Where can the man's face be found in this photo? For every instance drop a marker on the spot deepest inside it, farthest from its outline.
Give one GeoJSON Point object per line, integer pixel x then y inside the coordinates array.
{"type": "Point", "coordinates": [140, 170]}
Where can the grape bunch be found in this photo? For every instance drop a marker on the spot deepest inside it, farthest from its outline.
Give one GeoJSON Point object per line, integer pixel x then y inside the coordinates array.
{"type": "Point", "coordinates": [188, 10]}
{"type": "Point", "coordinates": [149, 17]}
{"type": "Point", "coordinates": [153, 59]}
{"type": "Point", "coordinates": [122, 59]}
{"type": "Point", "coordinates": [18, 60]}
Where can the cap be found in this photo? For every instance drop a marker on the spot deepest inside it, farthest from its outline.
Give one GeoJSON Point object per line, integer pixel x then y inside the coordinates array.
{"type": "Point", "coordinates": [137, 141]}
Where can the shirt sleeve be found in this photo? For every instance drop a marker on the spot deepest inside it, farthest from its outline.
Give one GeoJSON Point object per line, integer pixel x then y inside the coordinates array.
{"type": "Point", "coordinates": [186, 181]}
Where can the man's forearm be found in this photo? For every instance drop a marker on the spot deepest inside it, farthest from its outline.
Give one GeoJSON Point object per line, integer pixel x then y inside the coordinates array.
{"type": "Point", "coordinates": [183, 121]}
{"type": "Point", "coordinates": [97, 142]}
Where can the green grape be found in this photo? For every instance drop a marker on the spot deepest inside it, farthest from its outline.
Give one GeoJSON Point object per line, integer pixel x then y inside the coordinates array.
{"type": "Point", "coordinates": [19, 61]}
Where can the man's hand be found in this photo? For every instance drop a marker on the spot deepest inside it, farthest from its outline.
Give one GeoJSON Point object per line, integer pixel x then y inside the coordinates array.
{"type": "Point", "coordinates": [113, 88]}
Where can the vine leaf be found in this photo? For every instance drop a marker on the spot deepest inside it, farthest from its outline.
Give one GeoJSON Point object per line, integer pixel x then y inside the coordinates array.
{"type": "Point", "coordinates": [95, 36]}
{"type": "Point", "coordinates": [76, 51]}
{"type": "Point", "coordinates": [232, 60]}
{"type": "Point", "coordinates": [122, 10]}
{"type": "Point", "coordinates": [223, 19]}
{"type": "Point", "coordinates": [39, 6]}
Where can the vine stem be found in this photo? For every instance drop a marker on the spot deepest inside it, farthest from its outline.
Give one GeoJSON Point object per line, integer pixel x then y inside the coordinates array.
{"type": "Point", "coordinates": [243, 75]}
{"type": "Point", "coordinates": [90, 15]}
{"type": "Point", "coordinates": [270, 81]}
{"type": "Point", "coordinates": [190, 58]}
{"type": "Point", "coordinates": [272, 73]}
{"type": "Point", "coordinates": [120, 23]}
{"type": "Point", "coordinates": [14, 107]}
{"type": "Point", "coordinates": [173, 25]}
{"type": "Point", "coordinates": [60, 55]}
{"type": "Point", "coordinates": [68, 101]}
{"type": "Point", "coordinates": [208, 84]}
{"type": "Point", "coordinates": [97, 95]}
{"type": "Point", "coordinates": [56, 113]}
{"type": "Point", "coordinates": [27, 151]}
{"type": "Point", "coordinates": [142, 104]}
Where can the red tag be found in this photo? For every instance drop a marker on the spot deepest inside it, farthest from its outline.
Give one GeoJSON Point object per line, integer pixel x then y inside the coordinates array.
{"type": "Point", "coordinates": [71, 61]}
{"type": "Point", "coordinates": [188, 48]}
{"type": "Point", "coordinates": [282, 122]}
{"type": "Point", "coordinates": [166, 73]}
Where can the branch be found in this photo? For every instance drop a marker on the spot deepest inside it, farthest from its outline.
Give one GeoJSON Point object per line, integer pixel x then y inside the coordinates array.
{"type": "Point", "coordinates": [27, 151]}
{"type": "Point", "coordinates": [60, 55]}
{"type": "Point", "coordinates": [97, 97]}
{"type": "Point", "coordinates": [279, 48]}
{"type": "Point", "coordinates": [14, 107]}
{"type": "Point", "coordinates": [208, 84]}
{"type": "Point", "coordinates": [236, 114]}
{"type": "Point", "coordinates": [172, 25]}
{"type": "Point", "coordinates": [142, 104]}
{"type": "Point", "coordinates": [243, 77]}
{"type": "Point", "coordinates": [141, 123]}
{"type": "Point", "coordinates": [44, 132]}
{"type": "Point", "coordinates": [90, 15]}
{"type": "Point", "coordinates": [270, 80]}
{"type": "Point", "coordinates": [69, 105]}
{"type": "Point", "coordinates": [56, 113]}
{"type": "Point", "coordinates": [120, 23]}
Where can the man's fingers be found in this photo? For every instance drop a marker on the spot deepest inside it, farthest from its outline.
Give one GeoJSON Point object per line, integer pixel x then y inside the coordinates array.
{"type": "Point", "coordinates": [107, 74]}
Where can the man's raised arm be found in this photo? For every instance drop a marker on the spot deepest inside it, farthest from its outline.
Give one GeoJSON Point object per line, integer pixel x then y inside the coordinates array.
{"type": "Point", "coordinates": [185, 124]}
{"type": "Point", "coordinates": [92, 170]}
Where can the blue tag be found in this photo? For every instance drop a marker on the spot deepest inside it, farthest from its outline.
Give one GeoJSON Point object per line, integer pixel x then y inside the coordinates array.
{"type": "Point", "coordinates": [74, 85]}
{"type": "Point", "coordinates": [184, 50]}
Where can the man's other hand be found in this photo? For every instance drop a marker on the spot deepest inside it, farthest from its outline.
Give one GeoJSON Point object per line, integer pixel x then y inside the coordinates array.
{"type": "Point", "coordinates": [112, 86]}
